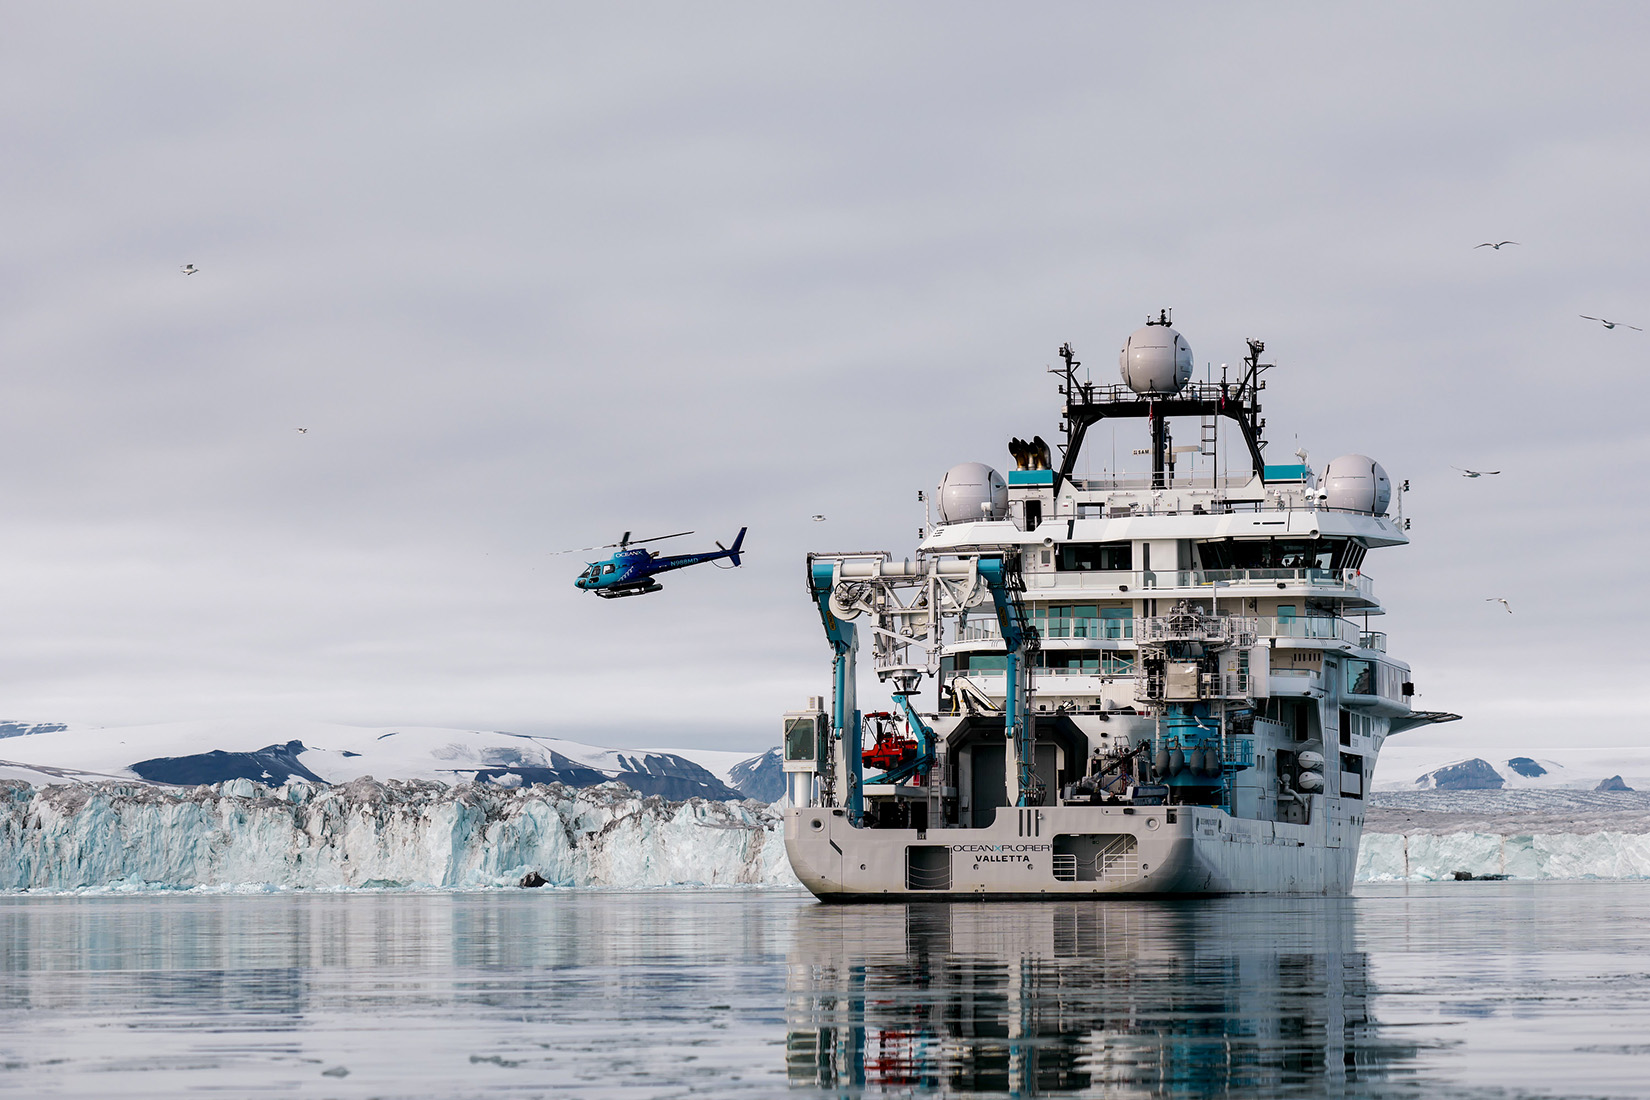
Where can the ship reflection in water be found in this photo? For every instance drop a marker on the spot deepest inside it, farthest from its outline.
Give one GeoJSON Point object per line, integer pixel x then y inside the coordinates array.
{"type": "Point", "coordinates": [1125, 998]}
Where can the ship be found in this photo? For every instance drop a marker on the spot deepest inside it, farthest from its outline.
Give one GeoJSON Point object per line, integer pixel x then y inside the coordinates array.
{"type": "Point", "coordinates": [1163, 683]}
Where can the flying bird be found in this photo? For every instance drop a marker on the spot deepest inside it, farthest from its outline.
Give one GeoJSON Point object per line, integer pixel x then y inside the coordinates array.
{"type": "Point", "coordinates": [1609, 324]}
{"type": "Point", "coordinates": [188, 269]}
{"type": "Point", "coordinates": [1475, 473]}
{"type": "Point", "coordinates": [301, 431]}
{"type": "Point", "coordinates": [1499, 600]}
{"type": "Point", "coordinates": [818, 519]}
{"type": "Point", "coordinates": [1494, 244]}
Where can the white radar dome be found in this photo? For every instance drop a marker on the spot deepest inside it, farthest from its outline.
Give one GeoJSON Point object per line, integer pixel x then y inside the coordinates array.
{"type": "Point", "coordinates": [1356, 483]}
{"type": "Point", "coordinates": [972, 491]}
{"type": "Point", "coordinates": [1156, 359]}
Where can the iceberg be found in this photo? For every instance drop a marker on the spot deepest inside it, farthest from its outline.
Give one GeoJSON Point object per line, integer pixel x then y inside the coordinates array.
{"type": "Point", "coordinates": [299, 835]}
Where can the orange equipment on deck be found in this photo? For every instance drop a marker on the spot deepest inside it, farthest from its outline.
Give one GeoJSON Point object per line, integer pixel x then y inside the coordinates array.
{"type": "Point", "coordinates": [891, 748]}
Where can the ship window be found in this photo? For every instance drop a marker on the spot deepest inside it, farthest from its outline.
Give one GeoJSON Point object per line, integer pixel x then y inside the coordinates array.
{"type": "Point", "coordinates": [981, 662]}
{"type": "Point", "coordinates": [1352, 775]}
{"type": "Point", "coordinates": [1360, 677]}
{"type": "Point", "coordinates": [1072, 660]}
{"type": "Point", "coordinates": [1286, 612]}
{"type": "Point", "coordinates": [1280, 554]}
{"type": "Point", "coordinates": [1095, 556]}
{"type": "Point", "coordinates": [800, 736]}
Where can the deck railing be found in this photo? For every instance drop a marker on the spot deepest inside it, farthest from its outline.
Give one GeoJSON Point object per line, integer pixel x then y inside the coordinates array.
{"type": "Point", "coordinates": [1113, 865]}
{"type": "Point", "coordinates": [1203, 580]}
{"type": "Point", "coordinates": [1317, 627]}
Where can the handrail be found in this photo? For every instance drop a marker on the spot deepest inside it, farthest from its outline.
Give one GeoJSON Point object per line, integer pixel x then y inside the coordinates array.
{"type": "Point", "coordinates": [1309, 627]}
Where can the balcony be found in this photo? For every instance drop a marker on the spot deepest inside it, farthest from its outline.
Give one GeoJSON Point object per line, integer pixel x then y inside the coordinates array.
{"type": "Point", "coordinates": [1325, 628]}
{"type": "Point", "coordinates": [1342, 583]}
{"type": "Point", "coordinates": [1099, 630]}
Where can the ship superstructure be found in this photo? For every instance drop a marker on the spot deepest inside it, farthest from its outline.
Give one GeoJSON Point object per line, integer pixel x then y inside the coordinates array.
{"type": "Point", "coordinates": [1147, 684]}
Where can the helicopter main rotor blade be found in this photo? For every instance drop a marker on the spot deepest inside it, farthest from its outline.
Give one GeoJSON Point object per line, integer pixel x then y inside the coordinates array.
{"type": "Point", "coordinates": [661, 538]}
{"type": "Point", "coordinates": [582, 549]}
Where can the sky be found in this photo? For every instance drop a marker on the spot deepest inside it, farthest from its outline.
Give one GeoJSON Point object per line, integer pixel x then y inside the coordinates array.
{"type": "Point", "coordinates": [533, 275]}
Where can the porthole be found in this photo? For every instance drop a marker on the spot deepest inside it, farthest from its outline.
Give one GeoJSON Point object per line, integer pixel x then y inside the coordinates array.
{"type": "Point", "coordinates": [1151, 823]}
{"type": "Point", "coordinates": [817, 823]}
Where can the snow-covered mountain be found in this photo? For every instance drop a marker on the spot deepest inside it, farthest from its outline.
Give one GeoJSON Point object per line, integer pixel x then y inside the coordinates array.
{"type": "Point", "coordinates": [196, 753]}
{"type": "Point", "coordinates": [1423, 767]}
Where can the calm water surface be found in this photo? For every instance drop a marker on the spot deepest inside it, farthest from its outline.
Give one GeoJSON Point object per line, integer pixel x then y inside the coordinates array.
{"type": "Point", "coordinates": [1472, 989]}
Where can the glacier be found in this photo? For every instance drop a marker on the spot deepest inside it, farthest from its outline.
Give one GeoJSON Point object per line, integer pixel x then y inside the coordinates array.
{"type": "Point", "coordinates": [1428, 857]}
{"type": "Point", "coordinates": [241, 834]}
{"type": "Point", "coordinates": [363, 834]}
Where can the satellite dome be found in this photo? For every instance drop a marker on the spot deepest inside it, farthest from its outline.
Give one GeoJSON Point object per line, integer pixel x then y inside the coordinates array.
{"type": "Point", "coordinates": [1156, 359]}
{"type": "Point", "coordinates": [972, 491]}
{"type": "Point", "coordinates": [1356, 483]}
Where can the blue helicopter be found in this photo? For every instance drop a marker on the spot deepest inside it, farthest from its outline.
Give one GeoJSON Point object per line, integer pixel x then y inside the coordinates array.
{"type": "Point", "coordinates": [630, 572]}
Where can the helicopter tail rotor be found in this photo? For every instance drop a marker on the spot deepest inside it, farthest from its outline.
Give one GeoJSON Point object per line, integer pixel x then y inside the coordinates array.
{"type": "Point", "coordinates": [733, 551]}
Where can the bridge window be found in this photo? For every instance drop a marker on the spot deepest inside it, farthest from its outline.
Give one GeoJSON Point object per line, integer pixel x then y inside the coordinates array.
{"type": "Point", "coordinates": [1280, 554]}
{"type": "Point", "coordinates": [1360, 677]}
{"type": "Point", "coordinates": [1095, 556]}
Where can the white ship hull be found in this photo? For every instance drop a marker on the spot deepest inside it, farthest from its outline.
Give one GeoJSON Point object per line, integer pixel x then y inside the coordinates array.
{"type": "Point", "coordinates": [1176, 850]}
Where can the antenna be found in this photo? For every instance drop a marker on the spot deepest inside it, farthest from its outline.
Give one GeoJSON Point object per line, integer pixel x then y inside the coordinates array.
{"type": "Point", "coordinates": [1069, 388]}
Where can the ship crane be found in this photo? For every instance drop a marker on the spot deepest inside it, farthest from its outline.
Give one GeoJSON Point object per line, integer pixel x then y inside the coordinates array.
{"type": "Point", "coordinates": [905, 605]}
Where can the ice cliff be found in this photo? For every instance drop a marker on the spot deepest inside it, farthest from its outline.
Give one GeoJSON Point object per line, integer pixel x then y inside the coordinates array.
{"type": "Point", "coordinates": [1424, 857]}
{"type": "Point", "coordinates": [364, 833]}
{"type": "Point", "coordinates": [303, 835]}
{"type": "Point", "coordinates": [1424, 835]}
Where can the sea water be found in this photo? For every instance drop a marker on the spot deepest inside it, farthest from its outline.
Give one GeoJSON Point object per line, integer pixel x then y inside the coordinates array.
{"type": "Point", "coordinates": [1469, 989]}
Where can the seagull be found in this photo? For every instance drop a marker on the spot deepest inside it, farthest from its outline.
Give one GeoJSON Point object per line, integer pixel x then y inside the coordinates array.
{"type": "Point", "coordinates": [1609, 324]}
{"type": "Point", "coordinates": [188, 269]}
{"type": "Point", "coordinates": [1499, 600]}
{"type": "Point", "coordinates": [1474, 473]}
{"type": "Point", "coordinates": [301, 431]}
{"type": "Point", "coordinates": [1494, 244]}
{"type": "Point", "coordinates": [818, 519]}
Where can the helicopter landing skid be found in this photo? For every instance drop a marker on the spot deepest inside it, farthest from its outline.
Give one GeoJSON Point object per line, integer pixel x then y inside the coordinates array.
{"type": "Point", "coordinates": [620, 593]}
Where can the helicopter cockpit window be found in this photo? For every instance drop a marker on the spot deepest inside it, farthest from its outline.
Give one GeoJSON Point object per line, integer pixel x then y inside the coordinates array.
{"type": "Point", "coordinates": [608, 568]}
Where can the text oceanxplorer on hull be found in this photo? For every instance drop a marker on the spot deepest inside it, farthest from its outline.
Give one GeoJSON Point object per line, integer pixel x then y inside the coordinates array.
{"type": "Point", "coordinates": [1159, 684]}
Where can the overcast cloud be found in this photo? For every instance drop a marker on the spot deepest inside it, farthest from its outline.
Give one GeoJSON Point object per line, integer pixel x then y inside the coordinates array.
{"type": "Point", "coordinates": [535, 275]}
